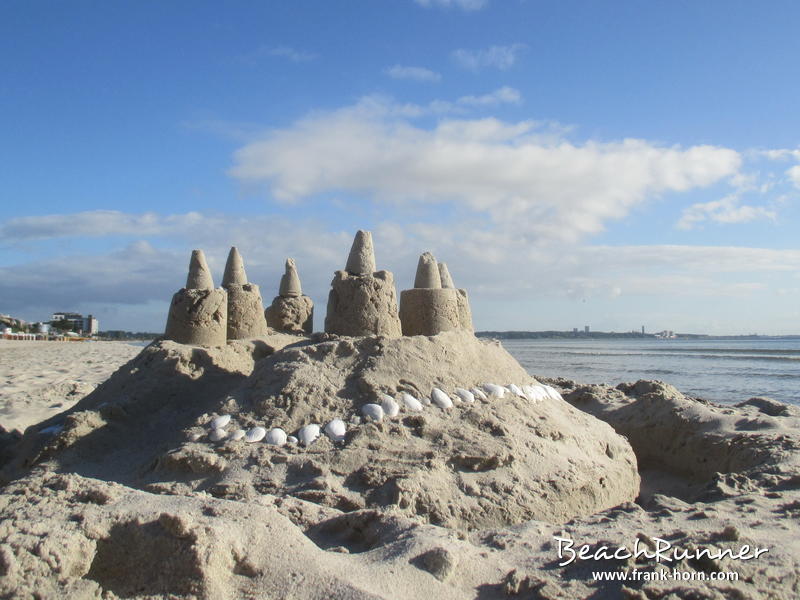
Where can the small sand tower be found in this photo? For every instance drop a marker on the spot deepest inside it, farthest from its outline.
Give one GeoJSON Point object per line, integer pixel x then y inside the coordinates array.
{"type": "Point", "coordinates": [245, 308]}
{"type": "Point", "coordinates": [198, 314]}
{"type": "Point", "coordinates": [429, 308]}
{"type": "Point", "coordinates": [291, 311]}
{"type": "Point", "coordinates": [464, 311]}
{"type": "Point", "coordinates": [362, 301]}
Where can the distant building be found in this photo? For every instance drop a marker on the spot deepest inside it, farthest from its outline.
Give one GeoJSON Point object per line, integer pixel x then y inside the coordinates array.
{"type": "Point", "coordinates": [90, 325]}
{"type": "Point", "coordinates": [642, 329]}
{"type": "Point", "coordinates": [575, 330]}
{"type": "Point", "coordinates": [78, 323]}
{"type": "Point", "coordinates": [586, 329]}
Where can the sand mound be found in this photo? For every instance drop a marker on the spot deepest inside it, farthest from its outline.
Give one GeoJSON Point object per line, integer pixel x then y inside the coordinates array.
{"type": "Point", "coordinates": [707, 451]}
{"type": "Point", "coordinates": [488, 463]}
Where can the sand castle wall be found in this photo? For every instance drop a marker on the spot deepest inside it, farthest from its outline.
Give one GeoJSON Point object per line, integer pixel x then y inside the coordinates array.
{"type": "Point", "coordinates": [362, 301]}
{"type": "Point", "coordinates": [198, 313]}
{"type": "Point", "coordinates": [428, 308]}
{"type": "Point", "coordinates": [245, 307]}
{"type": "Point", "coordinates": [291, 311]}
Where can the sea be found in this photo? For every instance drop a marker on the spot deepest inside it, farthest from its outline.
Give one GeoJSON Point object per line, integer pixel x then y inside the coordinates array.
{"type": "Point", "coordinates": [725, 371]}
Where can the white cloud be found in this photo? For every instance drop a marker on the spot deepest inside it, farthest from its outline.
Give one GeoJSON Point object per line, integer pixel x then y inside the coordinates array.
{"type": "Point", "coordinates": [413, 73]}
{"type": "Point", "coordinates": [727, 210]}
{"type": "Point", "coordinates": [512, 175]}
{"type": "Point", "coordinates": [291, 54]}
{"type": "Point", "coordinates": [97, 223]}
{"type": "Point", "coordinates": [794, 175]}
{"type": "Point", "coordinates": [500, 57]}
{"type": "Point", "coordinates": [462, 4]}
{"type": "Point", "coordinates": [503, 95]}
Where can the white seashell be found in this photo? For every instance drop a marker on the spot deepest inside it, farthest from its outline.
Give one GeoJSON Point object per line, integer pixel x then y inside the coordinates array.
{"type": "Point", "coordinates": [541, 393]}
{"type": "Point", "coordinates": [440, 399]}
{"type": "Point", "coordinates": [425, 400]}
{"type": "Point", "coordinates": [478, 393]}
{"type": "Point", "coordinates": [492, 389]}
{"type": "Point", "coordinates": [238, 434]}
{"type": "Point", "coordinates": [52, 429]}
{"type": "Point", "coordinates": [336, 430]}
{"type": "Point", "coordinates": [390, 407]}
{"type": "Point", "coordinates": [553, 393]}
{"type": "Point", "coordinates": [217, 435]}
{"type": "Point", "coordinates": [514, 389]}
{"type": "Point", "coordinates": [220, 422]}
{"type": "Point", "coordinates": [256, 434]}
{"type": "Point", "coordinates": [410, 402]}
{"type": "Point", "coordinates": [372, 411]}
{"type": "Point", "coordinates": [276, 436]}
{"type": "Point", "coordinates": [465, 395]}
{"type": "Point", "coordinates": [308, 434]}
{"type": "Point", "coordinates": [291, 440]}
{"type": "Point", "coordinates": [195, 436]}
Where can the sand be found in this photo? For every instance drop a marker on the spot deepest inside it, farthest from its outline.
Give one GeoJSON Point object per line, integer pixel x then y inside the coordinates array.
{"type": "Point", "coordinates": [39, 379]}
{"type": "Point", "coordinates": [125, 496]}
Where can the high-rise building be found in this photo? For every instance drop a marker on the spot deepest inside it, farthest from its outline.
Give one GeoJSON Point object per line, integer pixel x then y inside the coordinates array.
{"type": "Point", "coordinates": [586, 329]}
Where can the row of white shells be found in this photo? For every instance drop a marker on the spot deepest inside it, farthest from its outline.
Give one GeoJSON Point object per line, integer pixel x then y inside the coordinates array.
{"type": "Point", "coordinates": [388, 407]}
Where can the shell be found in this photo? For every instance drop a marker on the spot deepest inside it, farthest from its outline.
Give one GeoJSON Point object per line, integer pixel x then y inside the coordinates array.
{"type": "Point", "coordinates": [372, 411]}
{"type": "Point", "coordinates": [217, 435]}
{"type": "Point", "coordinates": [440, 399]}
{"type": "Point", "coordinates": [514, 389]}
{"type": "Point", "coordinates": [390, 407]}
{"type": "Point", "coordinates": [220, 422]}
{"type": "Point", "coordinates": [336, 430]}
{"type": "Point", "coordinates": [492, 389]}
{"type": "Point", "coordinates": [478, 393]}
{"type": "Point", "coordinates": [308, 434]}
{"type": "Point", "coordinates": [553, 393]}
{"type": "Point", "coordinates": [465, 395]}
{"type": "Point", "coordinates": [291, 440]}
{"type": "Point", "coordinates": [256, 434]}
{"type": "Point", "coordinates": [195, 436]}
{"type": "Point", "coordinates": [276, 436]}
{"type": "Point", "coordinates": [410, 402]}
{"type": "Point", "coordinates": [238, 434]}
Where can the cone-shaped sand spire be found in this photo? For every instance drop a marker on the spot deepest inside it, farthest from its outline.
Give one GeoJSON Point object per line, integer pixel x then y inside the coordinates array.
{"type": "Point", "coordinates": [362, 300]}
{"type": "Point", "coordinates": [444, 275]}
{"type": "Point", "coordinates": [198, 313]}
{"type": "Point", "coordinates": [429, 307]}
{"type": "Point", "coordinates": [361, 260]}
{"type": "Point", "coordinates": [290, 281]}
{"type": "Point", "coordinates": [199, 274]}
{"type": "Point", "coordinates": [291, 311]}
{"type": "Point", "coordinates": [427, 272]}
{"type": "Point", "coordinates": [245, 308]}
{"type": "Point", "coordinates": [234, 269]}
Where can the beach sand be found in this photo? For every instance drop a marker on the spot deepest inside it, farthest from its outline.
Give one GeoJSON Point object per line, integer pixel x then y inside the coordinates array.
{"type": "Point", "coordinates": [125, 496]}
{"type": "Point", "coordinates": [39, 379]}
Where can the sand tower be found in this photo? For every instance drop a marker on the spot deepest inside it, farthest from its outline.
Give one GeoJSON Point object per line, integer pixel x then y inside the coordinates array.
{"type": "Point", "coordinates": [291, 311]}
{"type": "Point", "coordinates": [464, 311]}
{"type": "Point", "coordinates": [429, 308]}
{"type": "Point", "coordinates": [362, 301]}
{"type": "Point", "coordinates": [245, 308]}
{"type": "Point", "coordinates": [198, 314]}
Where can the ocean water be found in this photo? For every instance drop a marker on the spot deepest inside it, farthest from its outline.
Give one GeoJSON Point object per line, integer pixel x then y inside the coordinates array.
{"type": "Point", "coordinates": [726, 371]}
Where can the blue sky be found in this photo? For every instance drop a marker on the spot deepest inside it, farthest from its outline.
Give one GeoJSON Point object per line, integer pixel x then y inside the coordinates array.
{"type": "Point", "coordinates": [615, 164]}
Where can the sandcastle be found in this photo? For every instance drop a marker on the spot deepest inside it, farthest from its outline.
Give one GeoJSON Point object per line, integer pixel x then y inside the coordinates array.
{"type": "Point", "coordinates": [362, 301]}
{"type": "Point", "coordinates": [291, 311]}
{"type": "Point", "coordinates": [245, 308]}
{"type": "Point", "coordinates": [433, 305]}
{"type": "Point", "coordinates": [198, 314]}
